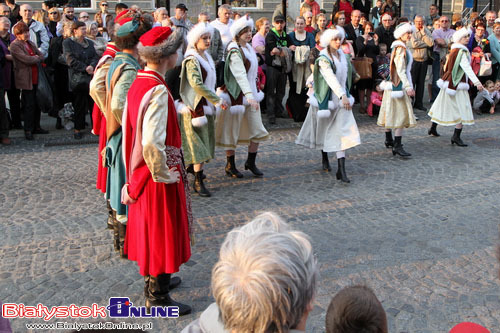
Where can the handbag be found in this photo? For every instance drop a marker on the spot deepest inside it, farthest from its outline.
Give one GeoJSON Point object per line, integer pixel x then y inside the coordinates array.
{"type": "Point", "coordinates": [79, 81]}
{"type": "Point", "coordinates": [363, 67]}
{"type": "Point", "coordinates": [44, 94]}
{"type": "Point", "coordinates": [485, 68]}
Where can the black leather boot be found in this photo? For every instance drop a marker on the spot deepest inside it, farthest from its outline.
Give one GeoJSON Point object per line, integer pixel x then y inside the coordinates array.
{"type": "Point", "coordinates": [326, 163]}
{"type": "Point", "coordinates": [388, 140]}
{"type": "Point", "coordinates": [175, 281]}
{"type": "Point", "coordinates": [199, 186]}
{"type": "Point", "coordinates": [341, 170]}
{"type": "Point", "coordinates": [110, 215]}
{"type": "Point", "coordinates": [116, 233]}
{"type": "Point", "coordinates": [190, 169]}
{"type": "Point", "coordinates": [432, 131]}
{"type": "Point", "coordinates": [398, 148]}
{"type": "Point", "coordinates": [122, 232]}
{"type": "Point", "coordinates": [455, 139]}
{"type": "Point", "coordinates": [157, 295]}
{"type": "Point", "coordinates": [231, 170]}
{"type": "Point", "coordinates": [250, 165]}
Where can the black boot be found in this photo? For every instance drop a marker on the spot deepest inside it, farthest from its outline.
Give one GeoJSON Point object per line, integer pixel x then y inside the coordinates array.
{"type": "Point", "coordinates": [122, 232]}
{"type": "Point", "coordinates": [198, 185]}
{"type": "Point", "coordinates": [250, 165]}
{"type": "Point", "coordinates": [398, 148]}
{"type": "Point", "coordinates": [110, 215]}
{"type": "Point", "coordinates": [326, 163]}
{"type": "Point", "coordinates": [432, 131]}
{"type": "Point", "coordinates": [231, 170]}
{"type": "Point", "coordinates": [116, 233]}
{"type": "Point", "coordinates": [455, 139]}
{"type": "Point", "coordinates": [190, 169]}
{"type": "Point", "coordinates": [157, 295]}
{"type": "Point", "coordinates": [58, 123]}
{"type": "Point", "coordinates": [341, 170]}
{"type": "Point", "coordinates": [388, 140]}
{"type": "Point", "coordinates": [175, 281]}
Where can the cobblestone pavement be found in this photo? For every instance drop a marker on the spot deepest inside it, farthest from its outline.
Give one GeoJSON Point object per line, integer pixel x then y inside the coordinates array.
{"type": "Point", "coordinates": [421, 232]}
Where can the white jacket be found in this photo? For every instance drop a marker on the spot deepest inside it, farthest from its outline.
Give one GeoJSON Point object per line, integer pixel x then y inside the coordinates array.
{"type": "Point", "coordinates": [39, 36]}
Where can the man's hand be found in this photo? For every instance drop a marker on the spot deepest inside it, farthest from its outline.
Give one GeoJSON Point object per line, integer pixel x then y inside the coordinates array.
{"type": "Point", "coordinates": [90, 70]}
{"type": "Point", "coordinates": [275, 51]}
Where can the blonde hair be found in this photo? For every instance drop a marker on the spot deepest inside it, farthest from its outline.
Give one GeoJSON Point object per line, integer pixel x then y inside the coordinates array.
{"type": "Point", "coordinates": [260, 22]}
{"type": "Point", "coordinates": [41, 16]}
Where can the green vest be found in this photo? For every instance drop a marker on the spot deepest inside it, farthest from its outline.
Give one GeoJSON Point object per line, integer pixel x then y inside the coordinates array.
{"type": "Point", "coordinates": [322, 90]}
{"type": "Point", "coordinates": [457, 72]}
{"type": "Point", "coordinates": [232, 86]}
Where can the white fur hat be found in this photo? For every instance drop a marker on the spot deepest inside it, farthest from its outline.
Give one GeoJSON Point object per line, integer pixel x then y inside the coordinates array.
{"type": "Point", "coordinates": [403, 28]}
{"type": "Point", "coordinates": [459, 34]}
{"type": "Point", "coordinates": [241, 24]}
{"type": "Point", "coordinates": [197, 31]}
{"type": "Point", "coordinates": [330, 34]}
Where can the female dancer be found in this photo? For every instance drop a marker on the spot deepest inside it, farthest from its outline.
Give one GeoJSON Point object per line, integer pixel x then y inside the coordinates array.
{"type": "Point", "coordinates": [197, 92]}
{"type": "Point", "coordinates": [452, 106]}
{"type": "Point", "coordinates": [242, 122]}
{"type": "Point", "coordinates": [329, 124]}
{"type": "Point", "coordinates": [396, 111]}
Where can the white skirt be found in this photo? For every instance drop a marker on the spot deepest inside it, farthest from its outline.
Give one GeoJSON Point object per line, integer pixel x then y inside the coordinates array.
{"type": "Point", "coordinates": [450, 110]}
{"type": "Point", "coordinates": [337, 132]}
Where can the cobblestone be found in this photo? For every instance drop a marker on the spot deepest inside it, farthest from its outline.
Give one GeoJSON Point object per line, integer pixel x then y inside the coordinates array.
{"type": "Point", "coordinates": [421, 232]}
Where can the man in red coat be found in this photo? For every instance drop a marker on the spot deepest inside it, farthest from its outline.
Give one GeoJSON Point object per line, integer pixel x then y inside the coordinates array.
{"type": "Point", "coordinates": [157, 193]}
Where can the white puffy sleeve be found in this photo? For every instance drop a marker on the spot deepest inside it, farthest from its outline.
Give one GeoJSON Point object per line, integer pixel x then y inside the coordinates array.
{"type": "Point", "coordinates": [465, 64]}
{"type": "Point", "coordinates": [400, 62]}
{"type": "Point", "coordinates": [326, 71]}
{"type": "Point", "coordinates": [237, 67]}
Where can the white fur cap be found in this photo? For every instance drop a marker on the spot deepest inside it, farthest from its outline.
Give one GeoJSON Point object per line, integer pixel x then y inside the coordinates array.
{"type": "Point", "coordinates": [459, 34]}
{"type": "Point", "coordinates": [330, 34]}
{"type": "Point", "coordinates": [402, 29]}
{"type": "Point", "coordinates": [241, 24]}
{"type": "Point", "coordinates": [197, 31]}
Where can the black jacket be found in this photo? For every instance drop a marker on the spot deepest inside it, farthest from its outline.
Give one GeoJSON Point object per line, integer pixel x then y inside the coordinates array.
{"type": "Point", "coordinates": [271, 42]}
{"type": "Point", "coordinates": [385, 36]}
{"type": "Point", "coordinates": [365, 9]}
{"type": "Point", "coordinates": [350, 34]}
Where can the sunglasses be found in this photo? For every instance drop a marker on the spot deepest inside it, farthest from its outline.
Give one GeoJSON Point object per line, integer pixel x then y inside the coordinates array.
{"type": "Point", "coordinates": [104, 4]}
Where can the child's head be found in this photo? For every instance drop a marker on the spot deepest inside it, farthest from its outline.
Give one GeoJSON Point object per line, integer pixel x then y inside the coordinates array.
{"type": "Point", "coordinates": [497, 85]}
{"type": "Point", "coordinates": [377, 87]}
{"type": "Point", "coordinates": [382, 49]}
{"type": "Point", "coordinates": [356, 309]}
{"type": "Point", "coordinates": [489, 85]}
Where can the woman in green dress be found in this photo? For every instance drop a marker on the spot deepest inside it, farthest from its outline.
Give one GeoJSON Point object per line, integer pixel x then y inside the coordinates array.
{"type": "Point", "coordinates": [197, 104]}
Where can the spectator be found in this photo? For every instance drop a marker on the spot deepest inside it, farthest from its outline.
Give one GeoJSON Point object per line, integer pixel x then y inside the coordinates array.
{"type": "Point", "coordinates": [6, 38]}
{"type": "Point", "coordinates": [222, 24]}
{"type": "Point", "coordinates": [159, 15]}
{"type": "Point", "coordinates": [236, 15]}
{"type": "Point", "coordinates": [308, 16]}
{"type": "Point", "coordinates": [391, 8]}
{"type": "Point", "coordinates": [279, 11]}
{"type": "Point", "coordinates": [364, 6]}
{"type": "Point", "coordinates": [420, 41]}
{"type": "Point", "coordinates": [313, 55]}
{"type": "Point", "coordinates": [104, 19]}
{"type": "Point", "coordinates": [385, 32]}
{"type": "Point", "coordinates": [120, 7]}
{"type": "Point", "coordinates": [99, 42]}
{"type": "Point", "coordinates": [383, 62]}
{"type": "Point", "coordinates": [27, 57]}
{"type": "Point", "coordinates": [494, 39]}
{"type": "Point", "coordinates": [83, 17]}
{"type": "Point", "coordinates": [14, 11]}
{"type": "Point", "coordinates": [484, 102]}
{"type": "Point", "coordinates": [362, 20]}
{"type": "Point", "coordinates": [491, 16]}
{"type": "Point", "coordinates": [442, 39]}
{"type": "Point", "coordinates": [38, 32]}
{"type": "Point", "coordinates": [346, 7]}
{"type": "Point", "coordinates": [46, 5]}
{"type": "Point", "coordinates": [315, 8]}
{"type": "Point", "coordinates": [81, 58]}
{"type": "Point", "coordinates": [367, 46]}
{"type": "Point", "coordinates": [478, 46]}
{"type": "Point", "coordinates": [297, 97]}
{"type": "Point", "coordinates": [472, 18]}
{"type": "Point", "coordinates": [339, 19]}
{"type": "Point", "coordinates": [56, 62]}
{"type": "Point", "coordinates": [265, 280]}
{"type": "Point", "coordinates": [68, 15]}
{"type": "Point", "coordinates": [5, 12]}
{"type": "Point", "coordinates": [353, 29]}
{"type": "Point", "coordinates": [43, 17]}
{"type": "Point", "coordinates": [375, 99]}
{"type": "Point", "coordinates": [376, 13]}
{"type": "Point", "coordinates": [259, 39]}
{"type": "Point", "coordinates": [215, 49]}
{"type": "Point", "coordinates": [54, 18]}
{"type": "Point", "coordinates": [356, 309]}
{"type": "Point", "coordinates": [276, 41]}
{"type": "Point", "coordinates": [433, 14]}
{"type": "Point", "coordinates": [304, 8]}
{"type": "Point", "coordinates": [321, 22]}
{"type": "Point", "coordinates": [456, 19]}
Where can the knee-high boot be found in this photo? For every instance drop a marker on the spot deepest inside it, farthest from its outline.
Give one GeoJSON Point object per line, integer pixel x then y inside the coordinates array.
{"type": "Point", "coordinates": [326, 162]}
{"type": "Point", "coordinates": [341, 170]}
{"type": "Point", "coordinates": [158, 294]}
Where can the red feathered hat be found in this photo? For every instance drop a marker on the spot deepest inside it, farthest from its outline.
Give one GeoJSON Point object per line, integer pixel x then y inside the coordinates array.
{"type": "Point", "coordinates": [121, 15]}
{"type": "Point", "coordinates": [155, 36]}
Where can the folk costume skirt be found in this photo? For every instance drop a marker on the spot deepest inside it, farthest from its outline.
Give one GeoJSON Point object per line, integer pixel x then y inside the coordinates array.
{"type": "Point", "coordinates": [396, 112]}
{"type": "Point", "coordinates": [198, 143]}
{"type": "Point", "coordinates": [450, 110]}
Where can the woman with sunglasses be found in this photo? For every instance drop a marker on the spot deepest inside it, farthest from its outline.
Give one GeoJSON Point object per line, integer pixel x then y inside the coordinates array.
{"type": "Point", "coordinates": [103, 19]}
{"type": "Point", "coordinates": [54, 18]}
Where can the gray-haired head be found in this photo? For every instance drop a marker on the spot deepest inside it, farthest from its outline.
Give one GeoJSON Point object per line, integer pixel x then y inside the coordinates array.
{"type": "Point", "coordinates": [154, 54]}
{"type": "Point", "coordinates": [265, 277]}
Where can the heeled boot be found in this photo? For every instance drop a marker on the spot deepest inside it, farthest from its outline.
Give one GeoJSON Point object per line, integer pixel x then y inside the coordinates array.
{"type": "Point", "coordinates": [231, 170]}
{"type": "Point", "coordinates": [432, 131]}
{"type": "Point", "coordinates": [326, 163]}
{"type": "Point", "coordinates": [122, 232]}
{"type": "Point", "coordinates": [398, 148]}
{"type": "Point", "coordinates": [250, 165]}
{"type": "Point", "coordinates": [175, 281]}
{"type": "Point", "coordinates": [116, 233]}
{"type": "Point", "coordinates": [199, 186]}
{"type": "Point", "coordinates": [455, 139]}
{"type": "Point", "coordinates": [388, 140]}
{"type": "Point", "coordinates": [158, 294]}
{"type": "Point", "coordinates": [341, 170]}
